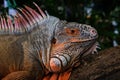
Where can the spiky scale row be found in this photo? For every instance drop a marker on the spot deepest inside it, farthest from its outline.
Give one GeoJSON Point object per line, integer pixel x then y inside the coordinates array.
{"type": "Point", "coordinates": [22, 22]}
{"type": "Point", "coordinates": [34, 14]}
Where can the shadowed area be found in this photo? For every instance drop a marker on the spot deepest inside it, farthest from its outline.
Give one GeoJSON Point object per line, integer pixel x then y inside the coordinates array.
{"type": "Point", "coordinates": [102, 66]}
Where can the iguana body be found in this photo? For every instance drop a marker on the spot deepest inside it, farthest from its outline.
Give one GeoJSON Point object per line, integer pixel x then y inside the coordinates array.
{"type": "Point", "coordinates": [36, 45]}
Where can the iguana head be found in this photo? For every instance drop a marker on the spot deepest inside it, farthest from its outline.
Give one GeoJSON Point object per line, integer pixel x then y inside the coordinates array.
{"type": "Point", "coordinates": [71, 40]}
{"type": "Point", "coordinates": [59, 44]}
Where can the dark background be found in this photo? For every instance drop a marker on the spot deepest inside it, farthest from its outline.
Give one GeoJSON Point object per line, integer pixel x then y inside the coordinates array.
{"type": "Point", "coordinates": [104, 15]}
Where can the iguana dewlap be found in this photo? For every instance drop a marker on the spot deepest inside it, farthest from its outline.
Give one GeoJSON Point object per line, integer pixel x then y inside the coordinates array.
{"type": "Point", "coordinates": [36, 46]}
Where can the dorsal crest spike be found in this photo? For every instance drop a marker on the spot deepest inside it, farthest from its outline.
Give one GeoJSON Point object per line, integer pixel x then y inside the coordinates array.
{"type": "Point", "coordinates": [5, 24]}
{"type": "Point", "coordinates": [16, 23]}
{"type": "Point", "coordinates": [42, 13]}
{"type": "Point", "coordinates": [10, 27]}
{"type": "Point", "coordinates": [2, 25]}
{"type": "Point", "coordinates": [47, 14]}
{"type": "Point", "coordinates": [19, 23]}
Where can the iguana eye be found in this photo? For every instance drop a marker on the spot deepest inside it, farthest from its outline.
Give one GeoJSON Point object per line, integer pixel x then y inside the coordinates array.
{"type": "Point", "coordinates": [72, 31]}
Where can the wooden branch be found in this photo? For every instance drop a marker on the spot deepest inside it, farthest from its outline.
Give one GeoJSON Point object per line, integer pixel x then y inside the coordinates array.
{"type": "Point", "coordinates": [102, 66]}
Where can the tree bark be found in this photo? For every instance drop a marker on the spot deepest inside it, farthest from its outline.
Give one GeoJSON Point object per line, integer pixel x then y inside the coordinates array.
{"type": "Point", "coordinates": [102, 66]}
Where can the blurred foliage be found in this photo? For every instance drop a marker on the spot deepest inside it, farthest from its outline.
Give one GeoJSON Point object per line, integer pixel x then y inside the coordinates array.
{"type": "Point", "coordinates": [104, 15]}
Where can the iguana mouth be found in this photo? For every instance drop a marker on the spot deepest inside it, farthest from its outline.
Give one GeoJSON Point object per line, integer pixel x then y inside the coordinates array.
{"type": "Point", "coordinates": [76, 40]}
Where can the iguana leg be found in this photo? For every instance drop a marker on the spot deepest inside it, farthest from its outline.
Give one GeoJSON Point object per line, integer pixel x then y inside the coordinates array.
{"type": "Point", "coordinates": [64, 76]}
{"type": "Point", "coordinates": [53, 77]}
{"type": "Point", "coordinates": [59, 76]}
{"type": "Point", "coordinates": [19, 75]}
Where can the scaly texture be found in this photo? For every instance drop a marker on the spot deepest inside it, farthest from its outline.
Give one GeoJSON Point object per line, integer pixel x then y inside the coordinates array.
{"type": "Point", "coordinates": [36, 46]}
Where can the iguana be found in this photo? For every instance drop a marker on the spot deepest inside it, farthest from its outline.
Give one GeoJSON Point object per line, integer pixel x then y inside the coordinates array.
{"type": "Point", "coordinates": [37, 46]}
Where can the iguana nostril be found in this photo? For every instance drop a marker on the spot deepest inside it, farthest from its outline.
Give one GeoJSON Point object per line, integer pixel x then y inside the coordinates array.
{"type": "Point", "coordinates": [93, 32]}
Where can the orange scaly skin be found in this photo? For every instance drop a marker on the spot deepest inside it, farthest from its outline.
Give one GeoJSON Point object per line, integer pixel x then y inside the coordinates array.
{"type": "Point", "coordinates": [37, 46]}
